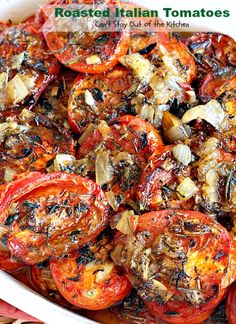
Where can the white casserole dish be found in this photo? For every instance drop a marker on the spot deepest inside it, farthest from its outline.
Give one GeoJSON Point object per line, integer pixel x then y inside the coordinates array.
{"type": "Point", "coordinates": [15, 292]}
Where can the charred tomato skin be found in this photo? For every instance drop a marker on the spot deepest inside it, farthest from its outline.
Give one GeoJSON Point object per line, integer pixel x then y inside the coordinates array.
{"type": "Point", "coordinates": [217, 82]}
{"type": "Point", "coordinates": [212, 51]}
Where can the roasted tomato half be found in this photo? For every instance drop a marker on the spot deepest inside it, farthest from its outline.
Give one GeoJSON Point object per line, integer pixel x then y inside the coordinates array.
{"type": "Point", "coordinates": [43, 282]}
{"type": "Point", "coordinates": [231, 305]}
{"type": "Point", "coordinates": [26, 68]}
{"type": "Point", "coordinates": [212, 51]}
{"type": "Point", "coordinates": [88, 52]}
{"type": "Point", "coordinates": [88, 278]}
{"type": "Point", "coordinates": [116, 154]}
{"type": "Point", "coordinates": [9, 263]}
{"type": "Point", "coordinates": [166, 182]}
{"type": "Point", "coordinates": [50, 214]}
{"type": "Point", "coordinates": [177, 58]}
{"type": "Point", "coordinates": [180, 262]}
{"type": "Point", "coordinates": [216, 83]}
{"type": "Point", "coordinates": [143, 40]}
{"type": "Point", "coordinates": [103, 96]}
{"type": "Point", "coordinates": [29, 142]}
{"type": "Point", "coordinates": [53, 103]}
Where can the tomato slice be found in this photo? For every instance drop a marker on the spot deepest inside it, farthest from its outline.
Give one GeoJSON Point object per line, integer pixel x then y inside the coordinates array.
{"type": "Point", "coordinates": [116, 154]}
{"type": "Point", "coordinates": [216, 83]}
{"type": "Point", "coordinates": [43, 282]}
{"type": "Point", "coordinates": [26, 65]}
{"type": "Point", "coordinates": [88, 278]}
{"type": "Point", "coordinates": [9, 263]}
{"type": "Point", "coordinates": [177, 58]}
{"type": "Point", "coordinates": [212, 51]}
{"type": "Point", "coordinates": [55, 213]}
{"type": "Point", "coordinates": [53, 103]}
{"type": "Point", "coordinates": [157, 188]}
{"type": "Point", "coordinates": [103, 96]}
{"type": "Point", "coordinates": [230, 305]}
{"type": "Point", "coordinates": [142, 40]}
{"type": "Point", "coordinates": [29, 142]}
{"type": "Point", "coordinates": [87, 52]}
{"type": "Point", "coordinates": [180, 262]}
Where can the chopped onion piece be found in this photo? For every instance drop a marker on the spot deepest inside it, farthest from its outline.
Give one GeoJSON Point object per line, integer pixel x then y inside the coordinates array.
{"type": "Point", "coordinates": [105, 272]}
{"type": "Point", "coordinates": [178, 133]}
{"type": "Point", "coordinates": [187, 188]}
{"type": "Point", "coordinates": [210, 188]}
{"type": "Point", "coordinates": [173, 128]}
{"type": "Point", "coordinates": [7, 127]}
{"type": "Point", "coordinates": [28, 81]}
{"type": "Point", "coordinates": [103, 168]}
{"type": "Point", "coordinates": [86, 134]}
{"type": "Point", "coordinates": [66, 125]}
{"type": "Point", "coordinates": [104, 129]}
{"type": "Point", "coordinates": [3, 80]}
{"type": "Point", "coordinates": [169, 120]}
{"type": "Point", "coordinates": [124, 156]}
{"type": "Point", "coordinates": [112, 200]}
{"type": "Point", "coordinates": [63, 162]}
{"type": "Point", "coordinates": [127, 223]}
{"type": "Point", "coordinates": [26, 115]}
{"type": "Point", "coordinates": [182, 153]}
{"type": "Point", "coordinates": [54, 91]}
{"type": "Point", "coordinates": [8, 174]}
{"type": "Point", "coordinates": [212, 112]}
{"type": "Point", "coordinates": [158, 285]}
{"type": "Point", "coordinates": [142, 68]}
{"type": "Point", "coordinates": [88, 97]}
{"type": "Point", "coordinates": [17, 90]}
{"type": "Point", "coordinates": [147, 112]}
{"type": "Point", "coordinates": [191, 96]}
{"type": "Point", "coordinates": [209, 146]}
{"type": "Point", "coordinates": [93, 59]}
{"type": "Point", "coordinates": [17, 61]}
